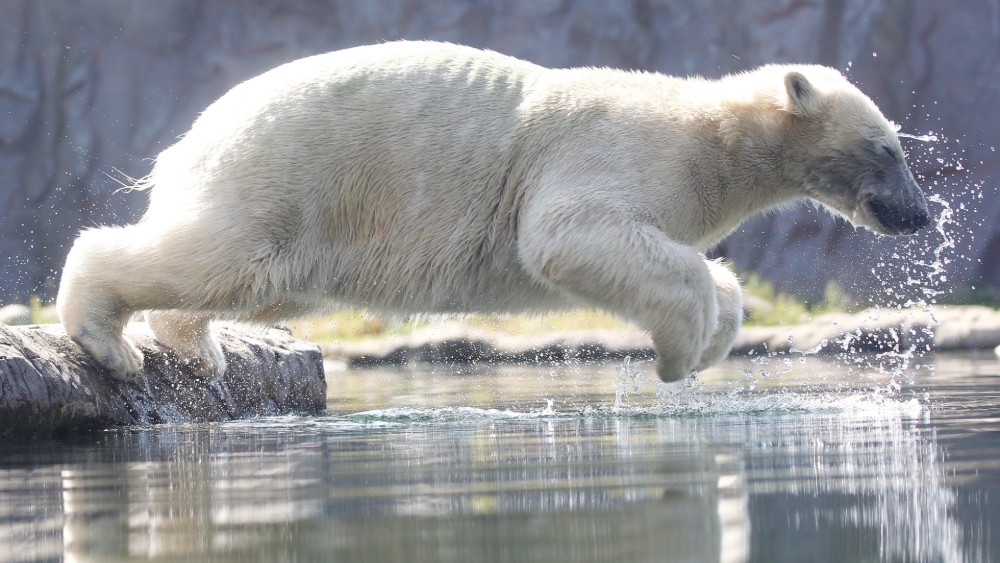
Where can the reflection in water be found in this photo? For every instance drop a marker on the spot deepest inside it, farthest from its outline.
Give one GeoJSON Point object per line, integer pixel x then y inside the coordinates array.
{"type": "Point", "coordinates": [877, 474]}
{"type": "Point", "coordinates": [577, 489]}
{"type": "Point", "coordinates": [858, 480]}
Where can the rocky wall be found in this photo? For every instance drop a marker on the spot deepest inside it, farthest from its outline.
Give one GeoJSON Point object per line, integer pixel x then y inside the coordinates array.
{"type": "Point", "coordinates": [91, 90]}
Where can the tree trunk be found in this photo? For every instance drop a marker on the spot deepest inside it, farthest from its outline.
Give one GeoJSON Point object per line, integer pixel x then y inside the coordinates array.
{"type": "Point", "coordinates": [48, 385]}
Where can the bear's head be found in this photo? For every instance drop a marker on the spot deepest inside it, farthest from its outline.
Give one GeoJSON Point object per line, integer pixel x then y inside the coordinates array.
{"type": "Point", "coordinates": [850, 155]}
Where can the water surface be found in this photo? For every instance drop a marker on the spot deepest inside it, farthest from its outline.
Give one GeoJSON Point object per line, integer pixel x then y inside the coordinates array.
{"type": "Point", "coordinates": [768, 460]}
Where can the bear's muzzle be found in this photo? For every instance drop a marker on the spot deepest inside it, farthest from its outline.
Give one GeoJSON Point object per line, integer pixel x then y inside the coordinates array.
{"type": "Point", "coordinates": [897, 202]}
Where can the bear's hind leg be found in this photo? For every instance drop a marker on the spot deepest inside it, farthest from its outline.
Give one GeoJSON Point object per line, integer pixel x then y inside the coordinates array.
{"type": "Point", "coordinates": [100, 334]}
{"type": "Point", "coordinates": [112, 272]}
{"type": "Point", "coordinates": [91, 306]}
{"type": "Point", "coordinates": [189, 335]}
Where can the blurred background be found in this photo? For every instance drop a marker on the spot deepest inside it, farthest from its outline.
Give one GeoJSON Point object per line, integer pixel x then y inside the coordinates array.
{"type": "Point", "coordinates": [92, 90]}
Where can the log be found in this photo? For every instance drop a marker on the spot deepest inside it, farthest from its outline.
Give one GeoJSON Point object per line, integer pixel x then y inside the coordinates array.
{"type": "Point", "coordinates": [48, 385]}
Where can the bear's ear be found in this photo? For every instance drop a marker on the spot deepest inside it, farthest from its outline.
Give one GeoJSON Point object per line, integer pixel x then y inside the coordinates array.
{"type": "Point", "coordinates": [803, 100]}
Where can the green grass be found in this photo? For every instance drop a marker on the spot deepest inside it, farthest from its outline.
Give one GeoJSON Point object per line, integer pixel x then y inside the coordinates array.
{"type": "Point", "coordinates": [784, 309]}
{"type": "Point", "coordinates": [42, 312]}
{"type": "Point", "coordinates": [354, 325]}
{"type": "Point", "coordinates": [344, 325]}
{"type": "Point", "coordinates": [972, 296]}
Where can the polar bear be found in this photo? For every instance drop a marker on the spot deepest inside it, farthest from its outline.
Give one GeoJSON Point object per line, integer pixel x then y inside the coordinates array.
{"type": "Point", "coordinates": [430, 177]}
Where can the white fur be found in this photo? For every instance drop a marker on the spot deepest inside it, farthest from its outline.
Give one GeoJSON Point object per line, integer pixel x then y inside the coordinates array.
{"type": "Point", "coordinates": [429, 177]}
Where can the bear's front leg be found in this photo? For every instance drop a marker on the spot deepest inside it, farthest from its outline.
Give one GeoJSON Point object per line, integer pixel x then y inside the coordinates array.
{"type": "Point", "coordinates": [617, 263]}
{"type": "Point", "coordinates": [729, 298]}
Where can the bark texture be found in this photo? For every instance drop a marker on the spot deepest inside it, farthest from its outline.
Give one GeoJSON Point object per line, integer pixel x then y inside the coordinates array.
{"type": "Point", "coordinates": [48, 385]}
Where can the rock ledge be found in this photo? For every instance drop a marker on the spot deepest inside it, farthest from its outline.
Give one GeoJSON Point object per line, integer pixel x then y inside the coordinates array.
{"type": "Point", "coordinates": [937, 329]}
{"type": "Point", "coordinates": [48, 385]}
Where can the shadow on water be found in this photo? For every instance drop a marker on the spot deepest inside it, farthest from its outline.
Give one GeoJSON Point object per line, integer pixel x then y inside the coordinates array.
{"type": "Point", "coordinates": [541, 464]}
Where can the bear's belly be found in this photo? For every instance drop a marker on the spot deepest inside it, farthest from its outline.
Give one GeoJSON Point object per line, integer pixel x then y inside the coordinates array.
{"type": "Point", "coordinates": [432, 290]}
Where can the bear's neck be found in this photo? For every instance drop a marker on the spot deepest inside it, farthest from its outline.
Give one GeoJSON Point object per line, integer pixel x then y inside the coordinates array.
{"type": "Point", "coordinates": [748, 172]}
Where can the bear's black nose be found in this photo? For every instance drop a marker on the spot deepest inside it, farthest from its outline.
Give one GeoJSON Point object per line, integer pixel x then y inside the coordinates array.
{"type": "Point", "coordinates": [921, 219]}
{"type": "Point", "coordinates": [899, 219]}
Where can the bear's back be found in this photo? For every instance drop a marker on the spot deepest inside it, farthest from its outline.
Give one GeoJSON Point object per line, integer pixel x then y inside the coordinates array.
{"type": "Point", "coordinates": [398, 165]}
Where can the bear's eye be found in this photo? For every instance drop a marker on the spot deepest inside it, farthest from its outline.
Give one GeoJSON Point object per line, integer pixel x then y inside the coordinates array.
{"type": "Point", "coordinates": [888, 150]}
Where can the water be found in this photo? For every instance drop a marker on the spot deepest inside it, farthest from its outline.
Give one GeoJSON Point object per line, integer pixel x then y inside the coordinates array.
{"type": "Point", "coordinates": [809, 462]}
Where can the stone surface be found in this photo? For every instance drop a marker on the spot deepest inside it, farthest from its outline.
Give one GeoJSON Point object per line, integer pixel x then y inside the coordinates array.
{"type": "Point", "coordinates": [90, 91]}
{"type": "Point", "coordinates": [937, 329]}
{"type": "Point", "coordinates": [48, 385]}
{"type": "Point", "coordinates": [457, 344]}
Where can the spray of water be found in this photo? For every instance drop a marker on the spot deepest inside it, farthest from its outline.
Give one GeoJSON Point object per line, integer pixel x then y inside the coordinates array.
{"type": "Point", "coordinates": [629, 381]}
{"type": "Point", "coordinates": [930, 137]}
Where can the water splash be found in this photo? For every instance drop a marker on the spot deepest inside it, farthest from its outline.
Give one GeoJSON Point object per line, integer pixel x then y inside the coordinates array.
{"type": "Point", "coordinates": [677, 402]}
{"type": "Point", "coordinates": [924, 281]}
{"type": "Point", "coordinates": [691, 397]}
{"type": "Point", "coordinates": [935, 275]}
{"type": "Point", "coordinates": [404, 416]}
{"type": "Point", "coordinates": [629, 381]}
{"type": "Point", "coordinates": [928, 138]}
{"type": "Point", "coordinates": [925, 262]}
{"type": "Point", "coordinates": [927, 272]}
